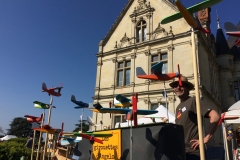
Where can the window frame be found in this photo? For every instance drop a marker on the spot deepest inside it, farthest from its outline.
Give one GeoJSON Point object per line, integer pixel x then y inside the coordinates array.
{"type": "Point", "coordinates": [141, 26]}
{"type": "Point", "coordinates": [122, 118]}
{"type": "Point", "coordinates": [160, 59]}
{"type": "Point", "coordinates": [125, 68]}
{"type": "Point", "coordinates": [238, 89]}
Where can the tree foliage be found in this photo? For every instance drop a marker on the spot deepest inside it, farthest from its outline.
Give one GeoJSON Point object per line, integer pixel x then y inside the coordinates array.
{"type": "Point", "coordinates": [20, 127]}
{"type": "Point", "coordinates": [85, 126]}
{"type": "Point", "coordinates": [14, 149]}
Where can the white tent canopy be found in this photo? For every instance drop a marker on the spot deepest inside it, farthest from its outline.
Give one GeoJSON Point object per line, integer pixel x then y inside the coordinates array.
{"type": "Point", "coordinates": [7, 137]}
{"type": "Point", "coordinates": [162, 113]}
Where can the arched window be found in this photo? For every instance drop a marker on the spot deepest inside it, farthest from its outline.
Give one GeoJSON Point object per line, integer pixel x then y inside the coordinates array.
{"type": "Point", "coordinates": [141, 31]}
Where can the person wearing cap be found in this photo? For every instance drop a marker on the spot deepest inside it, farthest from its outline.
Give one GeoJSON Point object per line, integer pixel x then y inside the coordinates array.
{"type": "Point", "coordinates": [186, 115]}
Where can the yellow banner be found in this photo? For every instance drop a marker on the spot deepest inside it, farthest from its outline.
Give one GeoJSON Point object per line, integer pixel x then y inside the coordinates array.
{"type": "Point", "coordinates": [111, 147]}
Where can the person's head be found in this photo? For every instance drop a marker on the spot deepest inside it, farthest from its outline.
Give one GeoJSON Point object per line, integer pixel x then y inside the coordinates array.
{"type": "Point", "coordinates": [182, 91]}
{"type": "Point", "coordinates": [30, 136]}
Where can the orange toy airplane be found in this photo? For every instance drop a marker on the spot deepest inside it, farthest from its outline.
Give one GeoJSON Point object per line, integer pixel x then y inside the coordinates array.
{"type": "Point", "coordinates": [51, 91]}
{"type": "Point", "coordinates": [33, 119]}
{"type": "Point", "coordinates": [47, 129]}
{"type": "Point", "coordinates": [156, 73]}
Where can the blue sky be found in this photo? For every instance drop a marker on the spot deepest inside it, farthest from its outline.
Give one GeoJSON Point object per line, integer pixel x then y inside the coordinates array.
{"type": "Point", "coordinates": [55, 41]}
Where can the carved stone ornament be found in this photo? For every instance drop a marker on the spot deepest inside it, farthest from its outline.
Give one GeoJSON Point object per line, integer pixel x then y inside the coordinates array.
{"type": "Point", "coordinates": [147, 82]}
{"type": "Point", "coordinates": [114, 60]}
{"type": "Point", "coordinates": [124, 39]}
{"type": "Point", "coordinates": [159, 100]}
{"type": "Point", "coordinates": [133, 55]}
{"type": "Point", "coordinates": [99, 63]}
{"type": "Point", "coordinates": [171, 99]}
{"type": "Point", "coordinates": [147, 53]}
{"type": "Point", "coordinates": [146, 100]}
{"type": "Point", "coordinates": [142, 8]}
{"type": "Point", "coordinates": [132, 84]}
{"type": "Point", "coordinates": [170, 48]}
{"type": "Point", "coordinates": [159, 29]}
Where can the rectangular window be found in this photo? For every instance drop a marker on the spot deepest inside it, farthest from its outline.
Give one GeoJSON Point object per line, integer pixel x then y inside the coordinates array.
{"type": "Point", "coordinates": [119, 119]}
{"type": "Point", "coordinates": [160, 57]}
{"type": "Point", "coordinates": [154, 106]}
{"type": "Point", "coordinates": [123, 73]}
{"type": "Point", "coordinates": [236, 90]}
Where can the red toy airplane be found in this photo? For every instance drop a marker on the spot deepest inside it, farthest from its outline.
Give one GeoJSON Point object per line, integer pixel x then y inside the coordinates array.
{"type": "Point", "coordinates": [233, 31]}
{"type": "Point", "coordinates": [51, 91]}
{"type": "Point", "coordinates": [33, 119]}
{"type": "Point", "coordinates": [46, 129]}
{"type": "Point", "coordinates": [91, 138]}
{"type": "Point", "coordinates": [156, 73]}
{"type": "Point", "coordinates": [223, 117]}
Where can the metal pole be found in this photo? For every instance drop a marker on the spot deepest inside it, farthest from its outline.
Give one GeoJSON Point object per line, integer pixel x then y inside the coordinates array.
{"type": "Point", "coordinates": [82, 119]}
{"type": "Point", "coordinates": [131, 141]}
{"type": "Point", "coordinates": [165, 94]}
{"type": "Point", "coordinates": [40, 136]}
{"type": "Point", "coordinates": [199, 116]}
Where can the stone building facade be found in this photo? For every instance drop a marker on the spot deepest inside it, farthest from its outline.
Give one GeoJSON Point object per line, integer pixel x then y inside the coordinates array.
{"type": "Point", "coordinates": [136, 39]}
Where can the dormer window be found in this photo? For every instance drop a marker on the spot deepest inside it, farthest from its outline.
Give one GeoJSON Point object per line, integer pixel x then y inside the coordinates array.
{"type": "Point", "coordinates": [141, 30]}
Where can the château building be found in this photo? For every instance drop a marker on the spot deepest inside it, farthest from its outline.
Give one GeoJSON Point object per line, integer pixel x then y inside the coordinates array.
{"type": "Point", "coordinates": [137, 39]}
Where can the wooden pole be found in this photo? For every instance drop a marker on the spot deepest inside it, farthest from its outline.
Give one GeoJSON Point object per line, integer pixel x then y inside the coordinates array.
{"type": "Point", "coordinates": [46, 138]}
{"type": "Point", "coordinates": [199, 116]}
{"type": "Point", "coordinates": [33, 144]}
{"type": "Point", "coordinates": [40, 136]}
{"type": "Point", "coordinates": [67, 153]}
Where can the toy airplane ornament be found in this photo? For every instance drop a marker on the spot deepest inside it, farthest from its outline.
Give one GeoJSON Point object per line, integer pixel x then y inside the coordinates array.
{"type": "Point", "coordinates": [79, 103]}
{"type": "Point", "coordinates": [131, 114]}
{"type": "Point", "coordinates": [41, 105]}
{"type": "Point", "coordinates": [67, 140]}
{"type": "Point", "coordinates": [51, 91]}
{"type": "Point", "coordinates": [187, 14]}
{"type": "Point", "coordinates": [233, 31]}
{"type": "Point", "coordinates": [91, 136]}
{"type": "Point", "coordinates": [224, 117]}
{"type": "Point", "coordinates": [156, 73]}
{"type": "Point", "coordinates": [120, 101]}
{"type": "Point", "coordinates": [47, 129]}
{"type": "Point", "coordinates": [33, 118]}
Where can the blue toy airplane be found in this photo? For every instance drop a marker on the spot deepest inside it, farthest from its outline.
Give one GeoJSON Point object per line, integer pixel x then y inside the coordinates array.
{"type": "Point", "coordinates": [121, 101]}
{"type": "Point", "coordinates": [131, 114]}
{"type": "Point", "coordinates": [79, 103]}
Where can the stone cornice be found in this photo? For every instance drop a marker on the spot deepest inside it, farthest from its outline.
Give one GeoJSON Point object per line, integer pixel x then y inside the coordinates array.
{"type": "Point", "coordinates": [152, 92]}
{"type": "Point", "coordinates": [170, 4]}
{"type": "Point", "coordinates": [226, 69]}
{"type": "Point", "coordinates": [151, 42]}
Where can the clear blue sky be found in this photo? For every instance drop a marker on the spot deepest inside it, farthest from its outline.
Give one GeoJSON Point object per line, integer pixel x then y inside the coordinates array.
{"type": "Point", "coordinates": [55, 41]}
